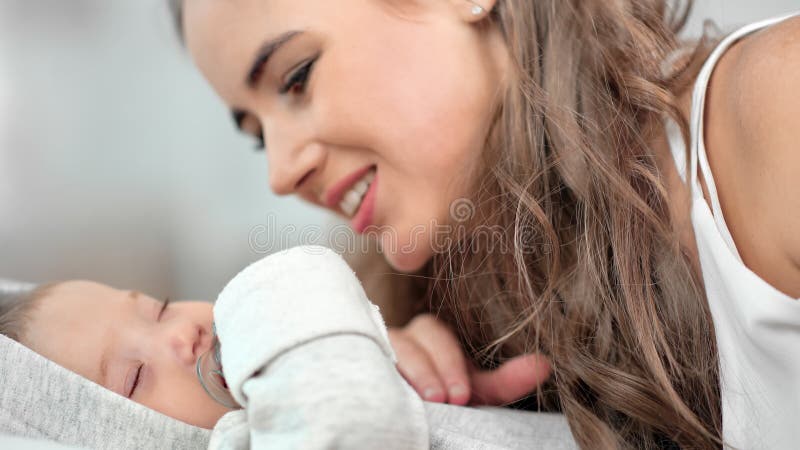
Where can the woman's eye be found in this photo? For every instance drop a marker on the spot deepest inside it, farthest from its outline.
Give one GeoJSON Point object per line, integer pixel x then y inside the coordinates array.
{"type": "Point", "coordinates": [297, 81]}
{"type": "Point", "coordinates": [295, 85]}
{"type": "Point", "coordinates": [260, 146]}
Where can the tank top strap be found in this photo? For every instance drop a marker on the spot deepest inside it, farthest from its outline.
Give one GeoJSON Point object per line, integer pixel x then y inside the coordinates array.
{"type": "Point", "coordinates": [697, 154]}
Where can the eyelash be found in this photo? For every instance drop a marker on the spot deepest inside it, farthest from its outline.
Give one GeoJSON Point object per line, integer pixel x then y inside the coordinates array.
{"type": "Point", "coordinates": [163, 308]}
{"type": "Point", "coordinates": [136, 380]}
{"type": "Point", "coordinates": [141, 366]}
{"type": "Point", "coordinates": [299, 77]}
{"type": "Point", "coordinates": [260, 144]}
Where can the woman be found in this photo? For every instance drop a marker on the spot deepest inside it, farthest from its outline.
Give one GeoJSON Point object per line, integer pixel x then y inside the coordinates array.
{"type": "Point", "coordinates": [661, 318]}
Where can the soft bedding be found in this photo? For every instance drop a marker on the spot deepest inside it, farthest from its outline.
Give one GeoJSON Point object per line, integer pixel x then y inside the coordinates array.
{"type": "Point", "coordinates": [44, 406]}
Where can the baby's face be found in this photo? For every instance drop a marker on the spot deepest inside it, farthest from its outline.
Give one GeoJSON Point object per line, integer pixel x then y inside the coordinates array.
{"type": "Point", "coordinates": [127, 342]}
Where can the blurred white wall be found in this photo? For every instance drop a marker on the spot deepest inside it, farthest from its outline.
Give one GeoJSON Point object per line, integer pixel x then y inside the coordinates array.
{"type": "Point", "coordinates": [731, 13]}
{"type": "Point", "coordinates": [118, 164]}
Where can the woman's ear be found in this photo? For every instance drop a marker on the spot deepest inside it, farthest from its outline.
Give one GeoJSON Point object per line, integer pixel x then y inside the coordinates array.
{"type": "Point", "coordinates": [474, 10]}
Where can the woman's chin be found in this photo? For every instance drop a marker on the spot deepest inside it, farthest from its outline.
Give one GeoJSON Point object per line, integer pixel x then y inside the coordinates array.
{"type": "Point", "coordinates": [407, 260]}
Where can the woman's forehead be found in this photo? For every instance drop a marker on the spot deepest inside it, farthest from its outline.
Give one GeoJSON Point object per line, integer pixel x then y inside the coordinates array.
{"type": "Point", "coordinates": [220, 24]}
{"type": "Point", "coordinates": [223, 36]}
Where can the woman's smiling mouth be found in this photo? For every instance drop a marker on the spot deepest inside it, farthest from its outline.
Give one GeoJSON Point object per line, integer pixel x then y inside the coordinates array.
{"type": "Point", "coordinates": [354, 197]}
{"type": "Point", "coordinates": [365, 211]}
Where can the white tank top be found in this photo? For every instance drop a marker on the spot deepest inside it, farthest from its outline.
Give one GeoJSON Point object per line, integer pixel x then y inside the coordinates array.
{"type": "Point", "coordinates": [757, 326]}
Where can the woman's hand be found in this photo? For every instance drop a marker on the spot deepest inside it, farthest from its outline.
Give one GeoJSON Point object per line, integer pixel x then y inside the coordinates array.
{"type": "Point", "coordinates": [430, 358]}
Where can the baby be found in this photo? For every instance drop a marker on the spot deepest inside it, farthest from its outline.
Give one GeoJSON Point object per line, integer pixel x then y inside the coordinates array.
{"type": "Point", "coordinates": [303, 352]}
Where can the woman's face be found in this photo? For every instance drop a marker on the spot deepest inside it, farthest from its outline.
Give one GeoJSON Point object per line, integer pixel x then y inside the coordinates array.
{"type": "Point", "coordinates": [398, 92]}
{"type": "Point", "coordinates": [128, 343]}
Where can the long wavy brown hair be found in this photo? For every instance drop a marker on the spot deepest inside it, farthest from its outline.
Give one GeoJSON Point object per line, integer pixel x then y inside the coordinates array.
{"type": "Point", "coordinates": [572, 250]}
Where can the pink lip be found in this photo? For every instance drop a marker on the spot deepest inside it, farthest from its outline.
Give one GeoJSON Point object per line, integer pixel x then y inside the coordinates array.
{"type": "Point", "coordinates": [363, 217]}
{"type": "Point", "coordinates": [337, 191]}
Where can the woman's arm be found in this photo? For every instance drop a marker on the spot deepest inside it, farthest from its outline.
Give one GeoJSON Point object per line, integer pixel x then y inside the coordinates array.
{"type": "Point", "coordinates": [307, 356]}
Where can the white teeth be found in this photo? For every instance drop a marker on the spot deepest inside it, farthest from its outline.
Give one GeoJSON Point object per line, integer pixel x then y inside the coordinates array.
{"type": "Point", "coordinates": [348, 209]}
{"type": "Point", "coordinates": [352, 199]}
{"type": "Point", "coordinates": [361, 187]}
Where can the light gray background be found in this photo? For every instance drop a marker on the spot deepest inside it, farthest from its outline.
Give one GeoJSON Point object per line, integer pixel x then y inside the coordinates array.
{"type": "Point", "coordinates": [118, 164]}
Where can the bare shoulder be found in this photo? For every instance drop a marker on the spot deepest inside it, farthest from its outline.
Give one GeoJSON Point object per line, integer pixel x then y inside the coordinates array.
{"type": "Point", "coordinates": [753, 140]}
{"type": "Point", "coordinates": [767, 70]}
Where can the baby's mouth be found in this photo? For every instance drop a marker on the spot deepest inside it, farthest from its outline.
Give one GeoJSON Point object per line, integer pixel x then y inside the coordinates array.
{"type": "Point", "coordinates": [209, 373]}
{"type": "Point", "coordinates": [222, 381]}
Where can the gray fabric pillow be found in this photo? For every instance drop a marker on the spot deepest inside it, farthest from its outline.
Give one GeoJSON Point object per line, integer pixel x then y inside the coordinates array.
{"type": "Point", "coordinates": [453, 427]}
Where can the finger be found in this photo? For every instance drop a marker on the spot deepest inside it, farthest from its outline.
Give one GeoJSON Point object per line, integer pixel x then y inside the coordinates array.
{"type": "Point", "coordinates": [416, 367]}
{"type": "Point", "coordinates": [510, 382]}
{"type": "Point", "coordinates": [446, 354]}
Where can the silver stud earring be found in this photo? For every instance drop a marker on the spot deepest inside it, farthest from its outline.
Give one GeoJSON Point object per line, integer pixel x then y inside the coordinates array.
{"type": "Point", "coordinates": [477, 9]}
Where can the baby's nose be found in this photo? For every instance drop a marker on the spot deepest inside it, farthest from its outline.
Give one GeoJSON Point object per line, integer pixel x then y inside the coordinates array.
{"type": "Point", "coordinates": [184, 344]}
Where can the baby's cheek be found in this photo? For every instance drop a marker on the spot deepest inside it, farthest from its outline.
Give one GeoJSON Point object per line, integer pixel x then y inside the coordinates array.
{"type": "Point", "coordinates": [179, 395]}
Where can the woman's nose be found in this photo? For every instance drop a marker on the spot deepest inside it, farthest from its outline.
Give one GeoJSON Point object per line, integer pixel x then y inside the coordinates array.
{"type": "Point", "coordinates": [293, 159]}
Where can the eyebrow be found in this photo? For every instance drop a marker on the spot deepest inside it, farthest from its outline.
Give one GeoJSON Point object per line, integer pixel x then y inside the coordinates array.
{"type": "Point", "coordinates": [264, 53]}
{"type": "Point", "coordinates": [106, 355]}
{"type": "Point", "coordinates": [260, 61]}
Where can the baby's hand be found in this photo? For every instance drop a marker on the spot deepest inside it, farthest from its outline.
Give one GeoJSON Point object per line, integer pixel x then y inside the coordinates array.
{"type": "Point", "coordinates": [430, 358]}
